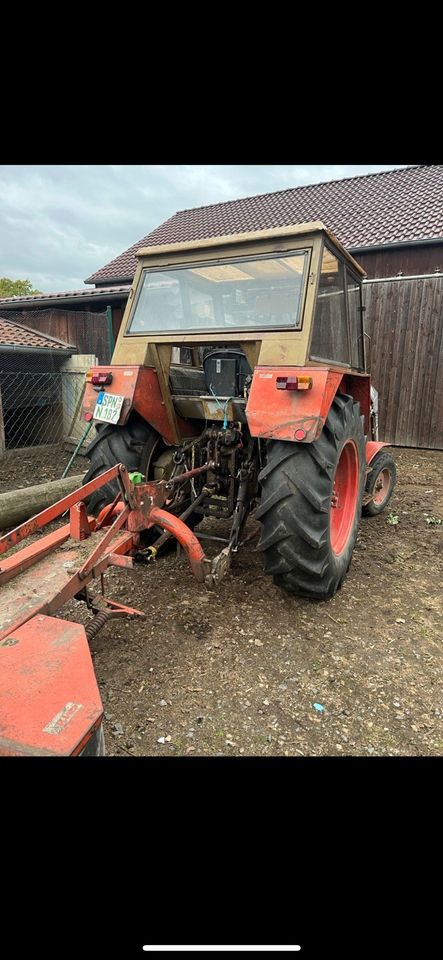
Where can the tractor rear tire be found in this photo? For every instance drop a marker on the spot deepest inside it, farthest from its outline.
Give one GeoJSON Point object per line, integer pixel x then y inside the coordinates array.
{"type": "Point", "coordinates": [136, 445]}
{"type": "Point", "coordinates": [133, 445]}
{"type": "Point", "coordinates": [311, 504]}
{"type": "Point", "coordinates": [380, 483]}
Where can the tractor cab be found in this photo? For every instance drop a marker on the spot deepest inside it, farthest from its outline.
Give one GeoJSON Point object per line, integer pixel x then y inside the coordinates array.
{"type": "Point", "coordinates": [205, 314]}
{"type": "Point", "coordinates": [298, 281]}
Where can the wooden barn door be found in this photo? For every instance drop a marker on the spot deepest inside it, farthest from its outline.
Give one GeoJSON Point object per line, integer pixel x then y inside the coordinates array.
{"type": "Point", "coordinates": [404, 319]}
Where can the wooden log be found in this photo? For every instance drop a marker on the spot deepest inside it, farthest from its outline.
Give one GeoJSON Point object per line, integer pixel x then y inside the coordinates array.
{"type": "Point", "coordinates": [19, 505]}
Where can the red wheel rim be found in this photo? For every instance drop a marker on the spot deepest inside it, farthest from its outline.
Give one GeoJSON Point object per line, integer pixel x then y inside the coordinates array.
{"type": "Point", "coordinates": [382, 486]}
{"type": "Point", "coordinates": [344, 497]}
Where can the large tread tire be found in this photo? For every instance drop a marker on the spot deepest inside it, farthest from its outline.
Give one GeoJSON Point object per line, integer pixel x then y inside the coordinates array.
{"type": "Point", "coordinates": [382, 468]}
{"type": "Point", "coordinates": [295, 511]}
{"type": "Point", "coordinates": [133, 445]}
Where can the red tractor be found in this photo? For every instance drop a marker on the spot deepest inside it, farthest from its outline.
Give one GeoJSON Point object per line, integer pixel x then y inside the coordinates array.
{"type": "Point", "coordinates": [274, 398]}
{"type": "Point", "coordinates": [270, 412]}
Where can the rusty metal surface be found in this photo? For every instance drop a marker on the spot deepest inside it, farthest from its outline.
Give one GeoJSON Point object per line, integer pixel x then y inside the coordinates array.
{"type": "Point", "coordinates": [205, 407]}
{"type": "Point", "coordinates": [30, 591]}
{"type": "Point", "coordinates": [219, 567]}
{"type": "Point", "coordinates": [105, 610]}
{"type": "Point", "coordinates": [41, 577]}
{"type": "Point", "coordinates": [146, 496]}
{"type": "Point", "coordinates": [78, 522]}
{"type": "Point", "coordinates": [120, 561]}
{"type": "Point", "coordinates": [217, 409]}
{"type": "Point", "coordinates": [54, 580]}
{"type": "Point", "coordinates": [123, 543]}
{"type": "Point", "coordinates": [27, 556]}
{"type": "Point", "coordinates": [104, 517]}
{"type": "Point", "coordinates": [40, 520]}
{"type": "Point", "coordinates": [104, 541]}
{"type": "Point", "coordinates": [49, 700]}
{"type": "Point", "coordinates": [190, 473]}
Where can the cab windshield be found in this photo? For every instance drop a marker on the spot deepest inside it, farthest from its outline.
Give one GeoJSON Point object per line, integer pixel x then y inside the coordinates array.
{"type": "Point", "coordinates": [239, 294]}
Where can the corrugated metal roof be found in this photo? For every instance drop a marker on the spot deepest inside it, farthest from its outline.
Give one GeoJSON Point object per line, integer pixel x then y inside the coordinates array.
{"type": "Point", "coordinates": [16, 335]}
{"type": "Point", "coordinates": [393, 206]}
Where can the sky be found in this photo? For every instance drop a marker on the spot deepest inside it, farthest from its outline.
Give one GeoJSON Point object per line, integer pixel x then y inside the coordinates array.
{"type": "Point", "coordinates": [59, 224]}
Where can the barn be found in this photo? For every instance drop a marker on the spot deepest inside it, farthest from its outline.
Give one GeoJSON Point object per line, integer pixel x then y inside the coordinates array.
{"type": "Point", "coordinates": [392, 223]}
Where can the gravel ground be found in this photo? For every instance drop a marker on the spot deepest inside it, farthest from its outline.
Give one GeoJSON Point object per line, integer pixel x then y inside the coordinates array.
{"type": "Point", "coordinates": [238, 671]}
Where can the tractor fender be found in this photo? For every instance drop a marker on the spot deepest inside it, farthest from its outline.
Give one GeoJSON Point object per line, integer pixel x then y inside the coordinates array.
{"type": "Point", "coordinates": [140, 387]}
{"type": "Point", "coordinates": [372, 448]}
{"type": "Point", "coordinates": [297, 415]}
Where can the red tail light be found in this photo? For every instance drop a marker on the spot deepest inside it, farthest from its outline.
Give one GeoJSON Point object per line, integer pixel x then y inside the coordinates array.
{"type": "Point", "coordinates": [293, 383]}
{"type": "Point", "coordinates": [101, 379]}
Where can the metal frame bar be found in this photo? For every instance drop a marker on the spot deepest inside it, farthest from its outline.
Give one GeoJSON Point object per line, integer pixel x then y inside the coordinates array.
{"type": "Point", "coordinates": [75, 584]}
{"type": "Point", "coordinates": [40, 520]}
{"type": "Point", "coordinates": [141, 509]}
{"type": "Point", "coordinates": [27, 556]}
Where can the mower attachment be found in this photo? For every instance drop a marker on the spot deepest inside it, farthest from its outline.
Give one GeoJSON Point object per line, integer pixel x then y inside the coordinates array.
{"type": "Point", "coordinates": [44, 575]}
{"type": "Point", "coordinates": [43, 659]}
{"type": "Point", "coordinates": [41, 664]}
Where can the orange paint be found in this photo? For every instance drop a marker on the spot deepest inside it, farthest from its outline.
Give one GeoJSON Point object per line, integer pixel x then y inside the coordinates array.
{"type": "Point", "coordinates": [49, 698]}
{"type": "Point", "coordinates": [372, 448]}
{"type": "Point", "coordinates": [285, 414]}
{"type": "Point", "coordinates": [78, 521]}
{"type": "Point", "coordinates": [141, 389]}
{"type": "Point", "coordinates": [185, 537]}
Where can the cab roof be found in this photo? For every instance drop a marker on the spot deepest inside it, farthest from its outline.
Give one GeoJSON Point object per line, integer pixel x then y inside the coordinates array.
{"type": "Point", "coordinates": [314, 227]}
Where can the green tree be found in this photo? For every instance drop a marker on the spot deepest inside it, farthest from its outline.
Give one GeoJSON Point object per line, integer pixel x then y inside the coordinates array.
{"type": "Point", "coordinates": [16, 288]}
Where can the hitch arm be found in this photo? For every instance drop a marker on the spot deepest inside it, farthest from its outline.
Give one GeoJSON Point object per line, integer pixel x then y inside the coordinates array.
{"type": "Point", "coordinates": [199, 562]}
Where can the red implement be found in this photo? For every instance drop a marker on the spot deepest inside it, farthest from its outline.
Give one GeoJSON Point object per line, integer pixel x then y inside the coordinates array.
{"type": "Point", "coordinates": [49, 700]}
{"type": "Point", "coordinates": [50, 704]}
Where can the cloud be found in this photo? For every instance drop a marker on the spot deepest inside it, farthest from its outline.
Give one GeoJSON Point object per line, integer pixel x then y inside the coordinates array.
{"type": "Point", "coordinates": [59, 224]}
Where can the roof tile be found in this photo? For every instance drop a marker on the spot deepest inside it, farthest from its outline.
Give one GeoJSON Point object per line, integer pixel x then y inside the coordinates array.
{"type": "Point", "coordinates": [16, 335]}
{"type": "Point", "coordinates": [387, 207]}
{"type": "Point", "coordinates": [93, 293]}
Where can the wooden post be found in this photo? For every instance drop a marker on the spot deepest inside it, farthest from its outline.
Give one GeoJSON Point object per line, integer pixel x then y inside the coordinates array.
{"type": "Point", "coordinates": [18, 505]}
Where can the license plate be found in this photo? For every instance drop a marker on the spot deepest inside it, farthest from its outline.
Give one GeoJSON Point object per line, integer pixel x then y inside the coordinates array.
{"type": "Point", "coordinates": [108, 407]}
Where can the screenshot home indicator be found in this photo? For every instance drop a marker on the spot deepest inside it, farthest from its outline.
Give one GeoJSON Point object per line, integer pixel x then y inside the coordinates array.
{"type": "Point", "coordinates": [219, 949]}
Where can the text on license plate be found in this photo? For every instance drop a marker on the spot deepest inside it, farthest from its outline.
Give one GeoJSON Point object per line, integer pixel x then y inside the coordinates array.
{"type": "Point", "coordinates": [108, 407]}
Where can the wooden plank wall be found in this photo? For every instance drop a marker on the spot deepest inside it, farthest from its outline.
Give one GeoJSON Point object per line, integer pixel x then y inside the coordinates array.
{"type": "Point", "coordinates": [85, 330]}
{"type": "Point", "coordinates": [404, 319]}
{"type": "Point", "coordinates": [411, 260]}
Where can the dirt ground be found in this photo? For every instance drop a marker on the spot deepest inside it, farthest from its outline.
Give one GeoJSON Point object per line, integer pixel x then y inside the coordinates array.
{"type": "Point", "coordinates": [238, 671]}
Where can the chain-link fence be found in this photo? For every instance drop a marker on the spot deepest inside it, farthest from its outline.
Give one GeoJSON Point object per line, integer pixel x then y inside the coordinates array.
{"type": "Point", "coordinates": [40, 408]}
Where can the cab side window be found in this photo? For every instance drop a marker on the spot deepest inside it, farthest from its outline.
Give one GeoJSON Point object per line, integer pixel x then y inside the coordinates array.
{"type": "Point", "coordinates": [355, 321]}
{"type": "Point", "coordinates": [330, 340]}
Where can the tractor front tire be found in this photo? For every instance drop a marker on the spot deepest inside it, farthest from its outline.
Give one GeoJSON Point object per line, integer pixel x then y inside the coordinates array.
{"type": "Point", "coordinates": [380, 483]}
{"type": "Point", "coordinates": [133, 445]}
{"type": "Point", "coordinates": [311, 504]}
